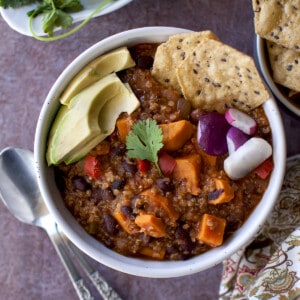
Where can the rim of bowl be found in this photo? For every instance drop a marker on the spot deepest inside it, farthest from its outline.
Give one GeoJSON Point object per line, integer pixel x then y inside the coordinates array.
{"type": "Point", "coordinates": [262, 59]}
{"type": "Point", "coordinates": [93, 248]}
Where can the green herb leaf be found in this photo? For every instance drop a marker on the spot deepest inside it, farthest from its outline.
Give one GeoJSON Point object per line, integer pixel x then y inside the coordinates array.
{"type": "Point", "coordinates": [144, 141]}
{"type": "Point", "coordinates": [49, 19]}
{"type": "Point", "coordinates": [15, 3]}
{"type": "Point", "coordinates": [65, 6]}
{"type": "Point", "coordinates": [64, 20]}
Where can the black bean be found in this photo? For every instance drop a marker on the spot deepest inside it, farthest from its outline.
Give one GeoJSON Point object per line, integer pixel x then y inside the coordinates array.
{"type": "Point", "coordinates": [187, 246]}
{"type": "Point", "coordinates": [126, 210]}
{"type": "Point", "coordinates": [165, 184]}
{"type": "Point", "coordinates": [136, 203]}
{"type": "Point", "coordinates": [181, 234]}
{"type": "Point", "coordinates": [214, 194]}
{"type": "Point", "coordinates": [118, 184]}
{"type": "Point", "coordinates": [129, 166]}
{"type": "Point", "coordinates": [144, 62]}
{"type": "Point", "coordinates": [110, 224]}
{"type": "Point", "coordinates": [80, 183]}
{"type": "Point", "coordinates": [118, 151]}
{"type": "Point", "coordinates": [144, 238]}
{"type": "Point", "coordinates": [102, 194]}
{"type": "Point", "coordinates": [171, 250]}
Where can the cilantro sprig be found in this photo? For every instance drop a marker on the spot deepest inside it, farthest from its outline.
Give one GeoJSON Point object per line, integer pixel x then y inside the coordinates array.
{"type": "Point", "coordinates": [144, 141]}
{"type": "Point", "coordinates": [55, 14]}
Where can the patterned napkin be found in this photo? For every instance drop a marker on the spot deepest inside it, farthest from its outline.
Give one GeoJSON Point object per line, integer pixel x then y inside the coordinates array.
{"type": "Point", "coordinates": [269, 268]}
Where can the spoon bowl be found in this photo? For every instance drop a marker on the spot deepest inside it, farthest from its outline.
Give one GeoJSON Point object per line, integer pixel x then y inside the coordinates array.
{"type": "Point", "coordinates": [20, 194]}
{"type": "Point", "coordinates": [17, 175]}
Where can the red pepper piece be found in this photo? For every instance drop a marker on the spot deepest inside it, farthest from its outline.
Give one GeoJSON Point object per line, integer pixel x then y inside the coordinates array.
{"type": "Point", "coordinates": [264, 169]}
{"type": "Point", "coordinates": [92, 167]}
{"type": "Point", "coordinates": [143, 165]}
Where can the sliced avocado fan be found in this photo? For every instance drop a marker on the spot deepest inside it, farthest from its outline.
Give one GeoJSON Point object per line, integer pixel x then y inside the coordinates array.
{"type": "Point", "coordinates": [88, 119]}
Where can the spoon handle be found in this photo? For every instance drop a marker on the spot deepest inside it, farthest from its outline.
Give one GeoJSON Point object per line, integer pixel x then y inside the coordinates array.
{"type": "Point", "coordinates": [82, 290]}
{"type": "Point", "coordinates": [102, 286]}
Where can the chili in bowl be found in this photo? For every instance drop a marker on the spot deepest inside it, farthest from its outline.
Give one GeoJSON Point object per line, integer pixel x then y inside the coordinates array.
{"type": "Point", "coordinates": [157, 194]}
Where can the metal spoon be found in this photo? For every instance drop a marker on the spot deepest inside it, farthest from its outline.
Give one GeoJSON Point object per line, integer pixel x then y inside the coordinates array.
{"type": "Point", "coordinates": [20, 194]}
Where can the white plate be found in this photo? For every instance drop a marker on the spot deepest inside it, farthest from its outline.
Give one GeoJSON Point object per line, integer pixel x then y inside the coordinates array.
{"type": "Point", "coordinates": [18, 20]}
{"type": "Point", "coordinates": [263, 62]}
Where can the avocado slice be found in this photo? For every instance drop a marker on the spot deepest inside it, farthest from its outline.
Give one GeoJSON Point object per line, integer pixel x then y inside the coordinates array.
{"type": "Point", "coordinates": [89, 119]}
{"type": "Point", "coordinates": [111, 62]}
{"type": "Point", "coordinates": [78, 125]}
{"type": "Point", "coordinates": [124, 101]}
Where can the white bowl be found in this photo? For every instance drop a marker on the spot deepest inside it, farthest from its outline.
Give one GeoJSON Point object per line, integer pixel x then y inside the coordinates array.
{"type": "Point", "coordinates": [264, 66]}
{"type": "Point", "coordinates": [135, 266]}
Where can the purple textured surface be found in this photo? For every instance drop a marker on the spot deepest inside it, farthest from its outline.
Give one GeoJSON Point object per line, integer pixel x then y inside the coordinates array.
{"type": "Point", "coordinates": [29, 266]}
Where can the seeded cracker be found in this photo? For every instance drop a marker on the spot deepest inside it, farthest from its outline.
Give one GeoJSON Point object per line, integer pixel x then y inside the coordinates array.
{"type": "Point", "coordinates": [215, 76]}
{"type": "Point", "coordinates": [171, 53]}
{"type": "Point", "coordinates": [285, 64]}
{"type": "Point", "coordinates": [278, 21]}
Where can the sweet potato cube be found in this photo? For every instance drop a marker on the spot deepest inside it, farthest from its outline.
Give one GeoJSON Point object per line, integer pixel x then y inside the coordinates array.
{"type": "Point", "coordinates": [156, 200]}
{"type": "Point", "coordinates": [211, 230]}
{"type": "Point", "coordinates": [124, 125]}
{"type": "Point", "coordinates": [188, 168]}
{"type": "Point", "coordinates": [223, 192]}
{"type": "Point", "coordinates": [147, 251]}
{"type": "Point", "coordinates": [126, 224]}
{"type": "Point", "coordinates": [176, 134]}
{"type": "Point", "coordinates": [151, 225]}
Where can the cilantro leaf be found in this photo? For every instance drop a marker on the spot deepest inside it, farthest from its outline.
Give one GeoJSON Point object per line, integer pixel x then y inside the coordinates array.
{"type": "Point", "coordinates": [60, 17]}
{"type": "Point", "coordinates": [144, 141]}
{"type": "Point", "coordinates": [15, 3]}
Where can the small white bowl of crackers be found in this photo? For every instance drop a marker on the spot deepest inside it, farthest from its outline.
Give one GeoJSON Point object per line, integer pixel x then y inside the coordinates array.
{"type": "Point", "coordinates": [187, 233]}
{"type": "Point", "coordinates": [277, 26]}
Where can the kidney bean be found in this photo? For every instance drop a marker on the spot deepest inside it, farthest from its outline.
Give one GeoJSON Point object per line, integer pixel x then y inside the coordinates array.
{"type": "Point", "coordinates": [80, 183]}
{"type": "Point", "coordinates": [110, 224]}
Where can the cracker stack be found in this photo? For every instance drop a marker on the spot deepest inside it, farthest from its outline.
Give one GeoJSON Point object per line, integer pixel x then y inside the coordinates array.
{"type": "Point", "coordinates": [278, 21]}
{"type": "Point", "coordinates": [211, 75]}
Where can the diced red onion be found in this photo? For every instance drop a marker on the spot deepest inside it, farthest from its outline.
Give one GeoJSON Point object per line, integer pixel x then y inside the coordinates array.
{"type": "Point", "coordinates": [247, 157]}
{"type": "Point", "coordinates": [212, 129]}
{"type": "Point", "coordinates": [240, 120]}
{"type": "Point", "coordinates": [235, 138]}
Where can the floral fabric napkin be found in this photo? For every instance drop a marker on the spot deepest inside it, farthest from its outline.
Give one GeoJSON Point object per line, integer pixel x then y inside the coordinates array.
{"type": "Point", "coordinates": [269, 268]}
